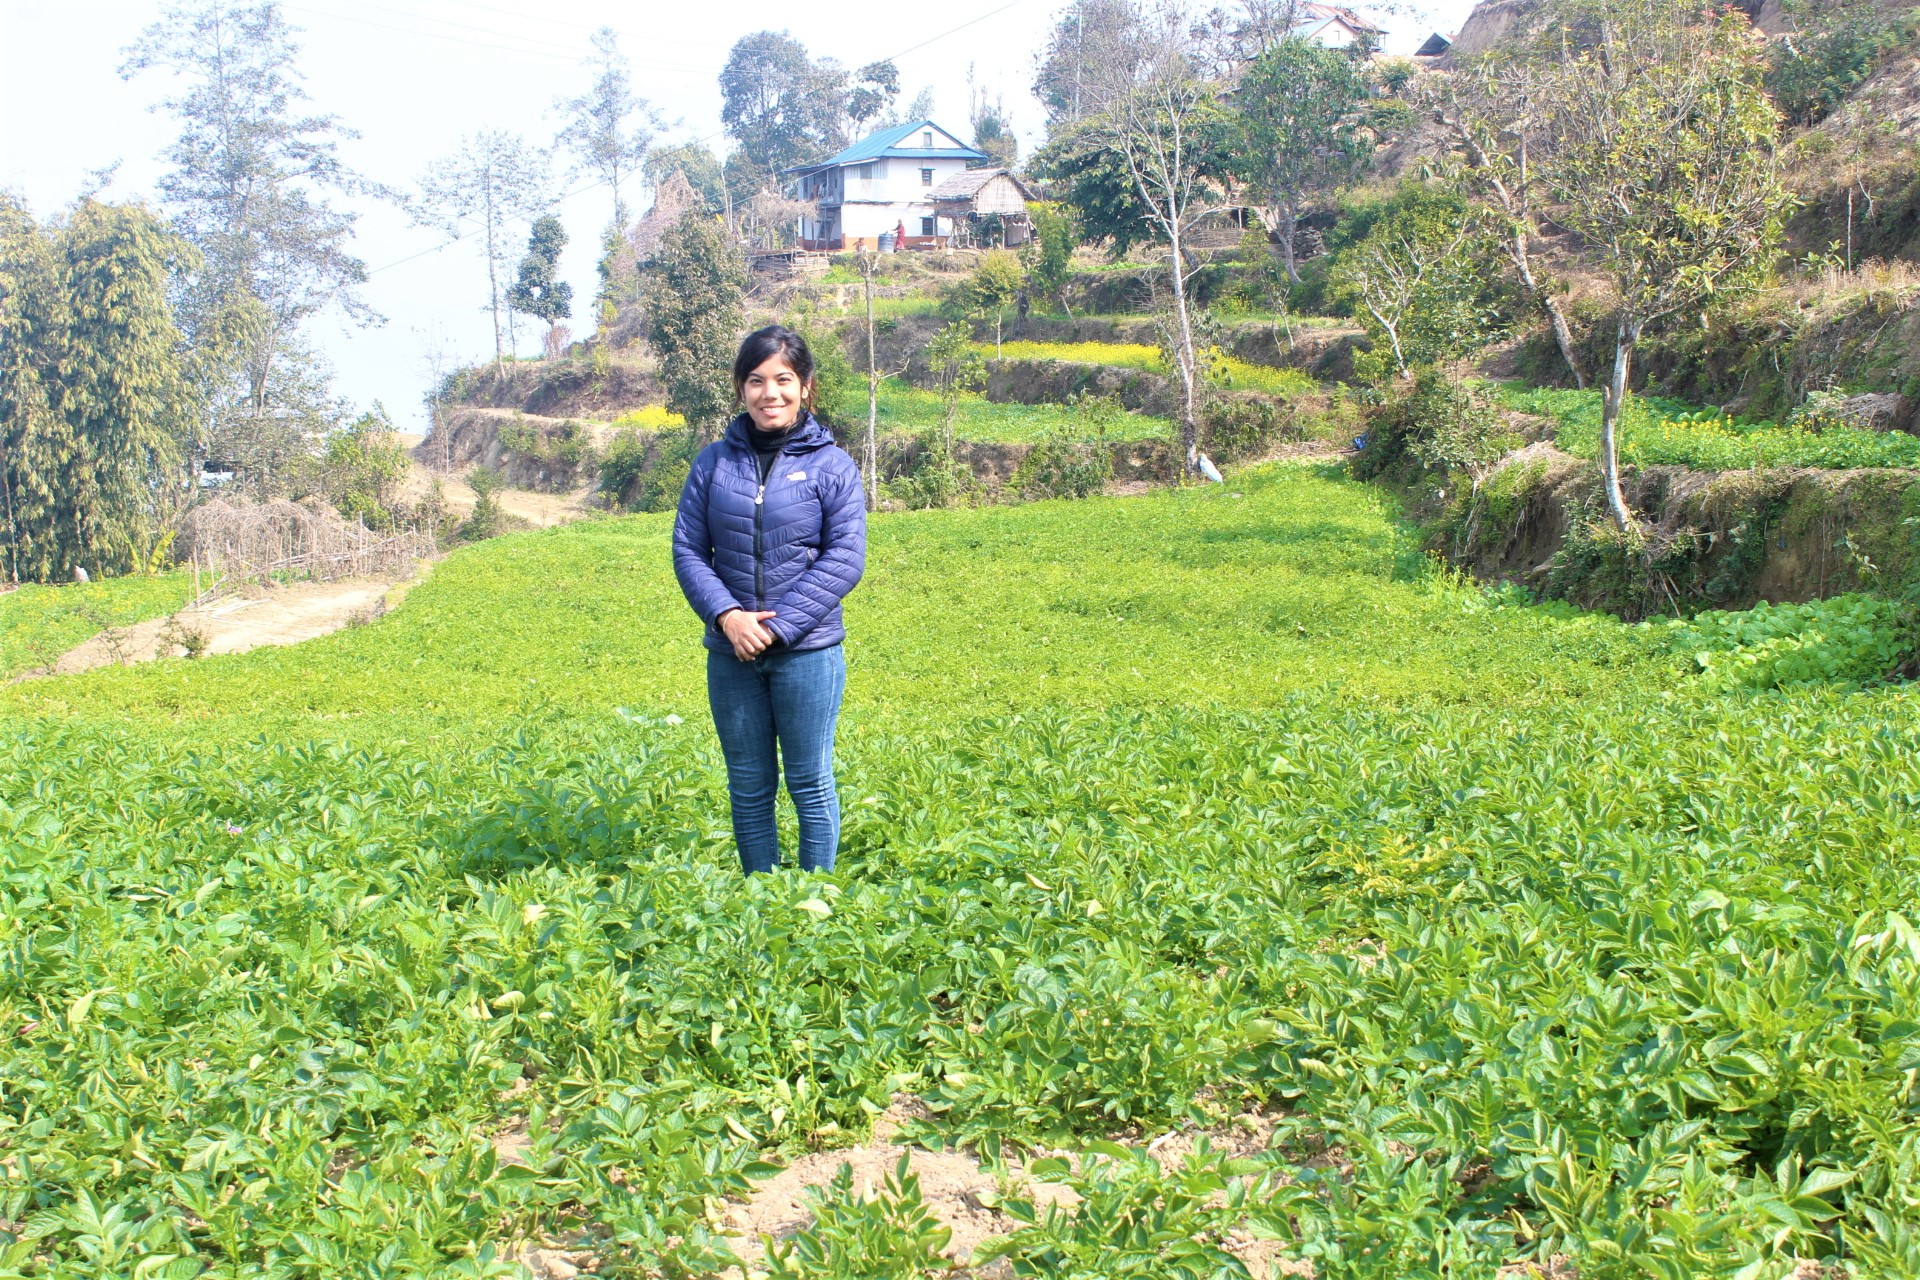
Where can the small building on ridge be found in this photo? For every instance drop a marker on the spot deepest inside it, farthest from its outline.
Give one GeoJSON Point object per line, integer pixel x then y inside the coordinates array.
{"type": "Point", "coordinates": [882, 183]}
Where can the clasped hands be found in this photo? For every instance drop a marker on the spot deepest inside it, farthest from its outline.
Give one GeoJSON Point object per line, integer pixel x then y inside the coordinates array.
{"type": "Point", "coordinates": [744, 631]}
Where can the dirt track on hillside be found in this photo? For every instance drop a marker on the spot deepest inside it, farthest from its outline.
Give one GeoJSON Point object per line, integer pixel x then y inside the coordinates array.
{"type": "Point", "coordinates": [235, 624]}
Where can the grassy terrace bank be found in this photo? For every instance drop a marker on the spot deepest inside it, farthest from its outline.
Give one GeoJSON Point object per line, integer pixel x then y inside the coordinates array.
{"type": "Point", "coordinates": [1158, 809]}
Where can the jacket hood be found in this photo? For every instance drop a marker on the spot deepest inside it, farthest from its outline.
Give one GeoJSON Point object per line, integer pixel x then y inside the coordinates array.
{"type": "Point", "coordinates": [808, 435]}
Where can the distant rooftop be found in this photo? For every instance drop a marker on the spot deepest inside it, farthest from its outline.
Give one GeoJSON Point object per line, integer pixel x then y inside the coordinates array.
{"type": "Point", "coordinates": [885, 145]}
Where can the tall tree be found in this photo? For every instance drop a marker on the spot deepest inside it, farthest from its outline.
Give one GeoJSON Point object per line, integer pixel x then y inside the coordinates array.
{"type": "Point", "coordinates": [876, 87]}
{"type": "Point", "coordinates": [1492, 109]}
{"type": "Point", "coordinates": [1091, 59]}
{"type": "Point", "coordinates": [1150, 168]}
{"type": "Point", "coordinates": [92, 390]}
{"type": "Point", "coordinates": [539, 291]}
{"type": "Point", "coordinates": [609, 127]}
{"type": "Point", "coordinates": [495, 179]}
{"type": "Point", "coordinates": [993, 134]}
{"type": "Point", "coordinates": [1665, 168]}
{"type": "Point", "coordinates": [36, 443]}
{"type": "Point", "coordinates": [695, 286]}
{"type": "Point", "coordinates": [251, 189]}
{"type": "Point", "coordinates": [780, 106]}
{"type": "Point", "coordinates": [1301, 111]}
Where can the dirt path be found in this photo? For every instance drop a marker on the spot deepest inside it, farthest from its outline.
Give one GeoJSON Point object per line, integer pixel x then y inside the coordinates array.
{"type": "Point", "coordinates": [540, 510]}
{"type": "Point", "coordinates": [285, 615]}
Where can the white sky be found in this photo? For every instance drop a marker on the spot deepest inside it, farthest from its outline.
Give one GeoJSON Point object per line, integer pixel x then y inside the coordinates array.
{"type": "Point", "coordinates": [412, 75]}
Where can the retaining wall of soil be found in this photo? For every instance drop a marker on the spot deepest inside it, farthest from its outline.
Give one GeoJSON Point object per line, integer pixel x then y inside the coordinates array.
{"type": "Point", "coordinates": [1717, 539]}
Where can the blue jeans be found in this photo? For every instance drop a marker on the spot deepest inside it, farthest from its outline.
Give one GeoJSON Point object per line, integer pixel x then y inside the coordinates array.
{"type": "Point", "coordinates": [782, 705]}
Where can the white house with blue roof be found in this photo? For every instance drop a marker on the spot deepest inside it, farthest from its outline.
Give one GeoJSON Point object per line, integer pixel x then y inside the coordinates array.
{"type": "Point", "coordinates": [882, 183]}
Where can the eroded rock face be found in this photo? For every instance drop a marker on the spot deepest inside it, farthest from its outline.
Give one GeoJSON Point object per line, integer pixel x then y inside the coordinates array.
{"type": "Point", "coordinates": [1878, 411]}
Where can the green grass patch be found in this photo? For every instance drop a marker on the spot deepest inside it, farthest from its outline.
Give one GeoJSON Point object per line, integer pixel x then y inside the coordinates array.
{"type": "Point", "coordinates": [1655, 430]}
{"type": "Point", "coordinates": [914, 409]}
{"type": "Point", "coordinates": [1157, 809]}
{"type": "Point", "coordinates": [38, 623]}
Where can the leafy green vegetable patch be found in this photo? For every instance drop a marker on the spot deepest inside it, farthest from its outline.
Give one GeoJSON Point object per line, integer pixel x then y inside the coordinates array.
{"type": "Point", "coordinates": [1156, 809]}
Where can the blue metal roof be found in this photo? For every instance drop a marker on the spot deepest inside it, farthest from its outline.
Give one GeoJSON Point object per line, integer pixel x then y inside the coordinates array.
{"type": "Point", "coordinates": [882, 145]}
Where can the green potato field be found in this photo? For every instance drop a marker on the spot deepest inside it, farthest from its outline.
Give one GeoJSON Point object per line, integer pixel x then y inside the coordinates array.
{"type": "Point", "coordinates": [1160, 810]}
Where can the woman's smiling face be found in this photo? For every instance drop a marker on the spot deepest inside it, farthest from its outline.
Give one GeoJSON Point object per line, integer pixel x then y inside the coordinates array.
{"type": "Point", "coordinates": [774, 395]}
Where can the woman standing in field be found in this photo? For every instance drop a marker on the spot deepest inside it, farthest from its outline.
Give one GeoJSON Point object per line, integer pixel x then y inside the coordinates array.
{"type": "Point", "coordinates": [771, 535]}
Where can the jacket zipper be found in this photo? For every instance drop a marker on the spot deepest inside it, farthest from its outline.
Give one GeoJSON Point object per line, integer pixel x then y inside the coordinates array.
{"type": "Point", "coordinates": [759, 577]}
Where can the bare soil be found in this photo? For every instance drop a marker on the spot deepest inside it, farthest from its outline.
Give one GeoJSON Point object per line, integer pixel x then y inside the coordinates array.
{"type": "Point", "coordinates": [541, 510]}
{"type": "Point", "coordinates": [953, 1184]}
{"type": "Point", "coordinates": [284, 615]}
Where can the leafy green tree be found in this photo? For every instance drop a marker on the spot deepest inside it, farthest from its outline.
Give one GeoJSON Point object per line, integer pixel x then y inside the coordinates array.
{"type": "Point", "coordinates": [1049, 254]}
{"type": "Point", "coordinates": [1300, 109]}
{"type": "Point", "coordinates": [875, 87]}
{"type": "Point", "coordinates": [497, 179]}
{"type": "Point", "coordinates": [251, 188]}
{"type": "Point", "coordinates": [957, 369]}
{"type": "Point", "coordinates": [92, 389]}
{"type": "Point", "coordinates": [699, 166]}
{"type": "Point", "coordinates": [694, 290]}
{"type": "Point", "coordinates": [1492, 109]}
{"type": "Point", "coordinates": [780, 106]}
{"type": "Point", "coordinates": [609, 127]}
{"type": "Point", "coordinates": [1089, 60]}
{"type": "Point", "coordinates": [1665, 168]}
{"type": "Point", "coordinates": [1417, 281]}
{"type": "Point", "coordinates": [365, 466]}
{"type": "Point", "coordinates": [989, 289]}
{"type": "Point", "coordinates": [36, 443]}
{"type": "Point", "coordinates": [539, 291]}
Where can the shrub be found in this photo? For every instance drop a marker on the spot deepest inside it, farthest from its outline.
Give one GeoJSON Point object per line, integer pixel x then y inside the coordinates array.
{"type": "Point", "coordinates": [1437, 423]}
{"type": "Point", "coordinates": [1237, 427]}
{"type": "Point", "coordinates": [1074, 460]}
{"type": "Point", "coordinates": [1835, 50]}
{"type": "Point", "coordinates": [484, 520]}
{"type": "Point", "coordinates": [660, 485]}
{"type": "Point", "coordinates": [628, 456]}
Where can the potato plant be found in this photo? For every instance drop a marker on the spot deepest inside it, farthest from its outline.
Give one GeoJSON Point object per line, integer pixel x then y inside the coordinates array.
{"type": "Point", "coordinates": [1157, 808]}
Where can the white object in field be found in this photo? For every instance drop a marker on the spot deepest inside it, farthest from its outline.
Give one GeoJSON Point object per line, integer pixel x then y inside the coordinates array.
{"type": "Point", "coordinates": [80, 575]}
{"type": "Point", "coordinates": [1210, 471]}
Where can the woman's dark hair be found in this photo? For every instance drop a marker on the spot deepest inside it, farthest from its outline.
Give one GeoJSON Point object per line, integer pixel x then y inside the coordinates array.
{"type": "Point", "coordinates": [763, 345]}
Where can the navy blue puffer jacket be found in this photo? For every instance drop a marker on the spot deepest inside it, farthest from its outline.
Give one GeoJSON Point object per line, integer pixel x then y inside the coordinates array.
{"type": "Point", "coordinates": [797, 549]}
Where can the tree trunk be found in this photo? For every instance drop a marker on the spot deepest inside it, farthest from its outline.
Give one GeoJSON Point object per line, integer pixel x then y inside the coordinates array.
{"type": "Point", "coordinates": [13, 534]}
{"type": "Point", "coordinates": [873, 397]}
{"type": "Point", "coordinates": [1616, 398]}
{"type": "Point", "coordinates": [1184, 356]}
{"type": "Point", "coordinates": [493, 275]}
{"type": "Point", "coordinates": [1287, 228]}
{"type": "Point", "coordinates": [1562, 334]}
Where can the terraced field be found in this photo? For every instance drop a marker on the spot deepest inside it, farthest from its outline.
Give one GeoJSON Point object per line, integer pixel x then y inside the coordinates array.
{"type": "Point", "coordinates": [1215, 811]}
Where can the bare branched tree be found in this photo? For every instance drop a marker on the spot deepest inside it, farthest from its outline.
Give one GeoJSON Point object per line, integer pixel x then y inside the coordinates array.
{"type": "Point", "coordinates": [1665, 167]}
{"type": "Point", "coordinates": [1166, 125]}
{"type": "Point", "coordinates": [1492, 112]}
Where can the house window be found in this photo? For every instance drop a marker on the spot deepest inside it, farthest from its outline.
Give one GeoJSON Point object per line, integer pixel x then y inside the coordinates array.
{"type": "Point", "coordinates": [865, 173]}
{"type": "Point", "coordinates": [926, 139]}
{"type": "Point", "coordinates": [926, 177]}
{"type": "Point", "coordinates": [926, 227]}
